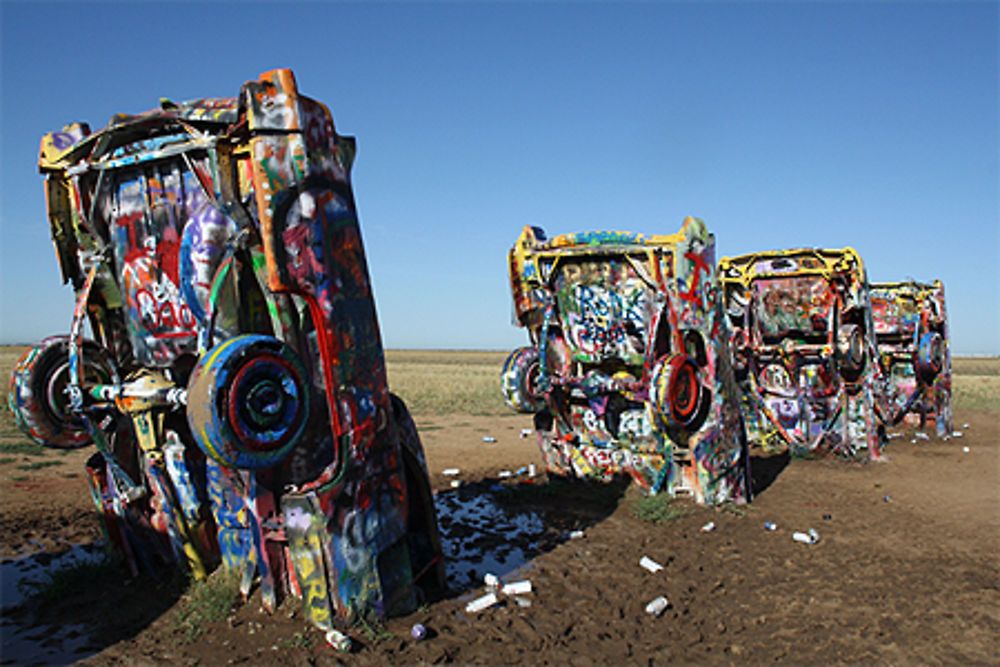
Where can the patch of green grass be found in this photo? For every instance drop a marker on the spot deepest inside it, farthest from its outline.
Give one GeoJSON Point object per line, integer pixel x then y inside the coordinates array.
{"type": "Point", "coordinates": [7, 459]}
{"type": "Point", "coordinates": [19, 478]}
{"type": "Point", "coordinates": [373, 629]}
{"type": "Point", "coordinates": [732, 508]}
{"type": "Point", "coordinates": [659, 508]}
{"type": "Point", "coordinates": [35, 465]}
{"type": "Point", "coordinates": [305, 641]}
{"type": "Point", "coordinates": [22, 447]}
{"type": "Point", "coordinates": [71, 580]}
{"type": "Point", "coordinates": [206, 601]}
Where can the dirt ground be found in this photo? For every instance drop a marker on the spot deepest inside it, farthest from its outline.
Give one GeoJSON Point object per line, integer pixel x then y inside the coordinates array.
{"type": "Point", "coordinates": [906, 570]}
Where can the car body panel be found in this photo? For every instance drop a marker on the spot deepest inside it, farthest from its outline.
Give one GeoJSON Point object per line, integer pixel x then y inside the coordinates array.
{"type": "Point", "coordinates": [905, 314]}
{"type": "Point", "coordinates": [804, 348]}
{"type": "Point", "coordinates": [215, 251]}
{"type": "Point", "coordinates": [606, 313]}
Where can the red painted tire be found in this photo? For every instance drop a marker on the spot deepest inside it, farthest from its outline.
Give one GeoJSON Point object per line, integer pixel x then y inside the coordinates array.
{"type": "Point", "coordinates": [676, 394]}
{"type": "Point", "coordinates": [37, 398]}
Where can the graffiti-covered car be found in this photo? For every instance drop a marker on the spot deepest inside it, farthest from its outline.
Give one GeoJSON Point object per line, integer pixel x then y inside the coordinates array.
{"type": "Point", "coordinates": [911, 330]}
{"type": "Point", "coordinates": [628, 372]}
{"type": "Point", "coordinates": [804, 350]}
{"type": "Point", "coordinates": [235, 387]}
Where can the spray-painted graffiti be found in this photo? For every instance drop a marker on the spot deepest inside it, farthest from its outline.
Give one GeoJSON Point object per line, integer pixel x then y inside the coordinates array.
{"type": "Point", "coordinates": [216, 252]}
{"type": "Point", "coordinates": [804, 350]}
{"type": "Point", "coordinates": [628, 373]}
{"type": "Point", "coordinates": [911, 328]}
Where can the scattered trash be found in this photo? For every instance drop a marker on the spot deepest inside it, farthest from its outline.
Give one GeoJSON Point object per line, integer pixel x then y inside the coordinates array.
{"type": "Point", "coordinates": [657, 606]}
{"type": "Point", "coordinates": [965, 426]}
{"type": "Point", "coordinates": [531, 470]}
{"type": "Point", "coordinates": [913, 440]}
{"type": "Point", "coordinates": [503, 474]}
{"type": "Point", "coordinates": [489, 438]}
{"type": "Point", "coordinates": [338, 640]}
{"type": "Point", "coordinates": [517, 588]}
{"type": "Point", "coordinates": [770, 525]}
{"type": "Point", "coordinates": [481, 603]}
{"type": "Point", "coordinates": [921, 435]}
{"type": "Point", "coordinates": [956, 434]}
{"type": "Point", "coordinates": [827, 517]}
{"type": "Point", "coordinates": [522, 470]}
{"type": "Point", "coordinates": [418, 631]}
{"type": "Point", "coordinates": [522, 602]}
{"type": "Point", "coordinates": [650, 564]}
{"type": "Point", "coordinates": [455, 483]}
{"type": "Point", "coordinates": [893, 436]}
{"type": "Point", "coordinates": [525, 432]}
{"type": "Point", "coordinates": [708, 527]}
{"type": "Point", "coordinates": [492, 580]}
{"type": "Point", "coordinates": [450, 472]}
{"type": "Point", "coordinates": [576, 535]}
{"type": "Point", "coordinates": [965, 449]}
{"type": "Point", "coordinates": [810, 537]}
{"type": "Point", "coordinates": [887, 499]}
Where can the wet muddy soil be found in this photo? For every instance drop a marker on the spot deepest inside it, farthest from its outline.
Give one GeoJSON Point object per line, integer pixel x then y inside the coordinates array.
{"type": "Point", "coordinates": [905, 570]}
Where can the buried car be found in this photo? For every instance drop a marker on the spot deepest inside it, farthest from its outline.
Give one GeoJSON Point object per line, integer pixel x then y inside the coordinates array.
{"type": "Point", "coordinates": [236, 387]}
{"type": "Point", "coordinates": [628, 371]}
{"type": "Point", "coordinates": [804, 351]}
{"type": "Point", "coordinates": [911, 330]}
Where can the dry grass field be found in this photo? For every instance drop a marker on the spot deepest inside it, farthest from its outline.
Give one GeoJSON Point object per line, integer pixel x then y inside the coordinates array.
{"type": "Point", "coordinates": [906, 572]}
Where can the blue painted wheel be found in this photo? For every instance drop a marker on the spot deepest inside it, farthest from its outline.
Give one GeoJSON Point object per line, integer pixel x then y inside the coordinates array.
{"type": "Point", "coordinates": [248, 402]}
{"type": "Point", "coordinates": [519, 379]}
{"type": "Point", "coordinates": [929, 358]}
{"type": "Point", "coordinates": [37, 395]}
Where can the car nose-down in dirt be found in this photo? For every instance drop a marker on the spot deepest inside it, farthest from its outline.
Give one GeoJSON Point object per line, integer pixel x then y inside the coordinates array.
{"type": "Point", "coordinates": [911, 330]}
{"type": "Point", "coordinates": [804, 350]}
{"type": "Point", "coordinates": [235, 386]}
{"type": "Point", "coordinates": [628, 371]}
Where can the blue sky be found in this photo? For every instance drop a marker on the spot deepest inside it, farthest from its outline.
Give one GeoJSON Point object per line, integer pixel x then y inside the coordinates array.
{"type": "Point", "coordinates": [781, 124]}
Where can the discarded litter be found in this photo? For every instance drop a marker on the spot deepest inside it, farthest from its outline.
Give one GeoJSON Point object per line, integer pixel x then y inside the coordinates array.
{"type": "Point", "coordinates": [657, 606]}
{"type": "Point", "coordinates": [522, 470]}
{"type": "Point", "coordinates": [708, 527]}
{"type": "Point", "coordinates": [522, 602]}
{"type": "Point", "coordinates": [576, 534]}
{"type": "Point", "coordinates": [481, 603]}
{"type": "Point", "coordinates": [893, 436]}
{"type": "Point", "coordinates": [503, 474]}
{"type": "Point", "coordinates": [956, 434]}
{"type": "Point", "coordinates": [887, 499]}
{"type": "Point", "coordinates": [450, 472]}
{"type": "Point", "coordinates": [517, 588]}
{"type": "Point", "coordinates": [455, 483]}
{"type": "Point", "coordinates": [965, 449]}
{"type": "Point", "coordinates": [965, 426]}
{"type": "Point", "coordinates": [338, 640]}
{"type": "Point", "coordinates": [810, 537]}
{"type": "Point", "coordinates": [921, 435]}
{"type": "Point", "coordinates": [489, 438]}
{"type": "Point", "coordinates": [770, 525]}
{"type": "Point", "coordinates": [827, 517]}
{"type": "Point", "coordinates": [491, 580]}
{"type": "Point", "coordinates": [650, 564]}
{"type": "Point", "coordinates": [525, 432]}
{"type": "Point", "coordinates": [531, 470]}
{"type": "Point", "coordinates": [418, 631]}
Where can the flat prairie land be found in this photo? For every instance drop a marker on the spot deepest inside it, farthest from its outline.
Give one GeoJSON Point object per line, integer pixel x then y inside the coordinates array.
{"type": "Point", "coordinates": [906, 570]}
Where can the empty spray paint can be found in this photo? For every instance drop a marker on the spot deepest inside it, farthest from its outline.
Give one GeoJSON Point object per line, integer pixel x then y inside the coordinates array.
{"type": "Point", "coordinates": [481, 603]}
{"type": "Point", "coordinates": [770, 525]}
{"type": "Point", "coordinates": [338, 640]}
{"type": "Point", "coordinates": [418, 631]}
{"type": "Point", "coordinates": [657, 606]}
